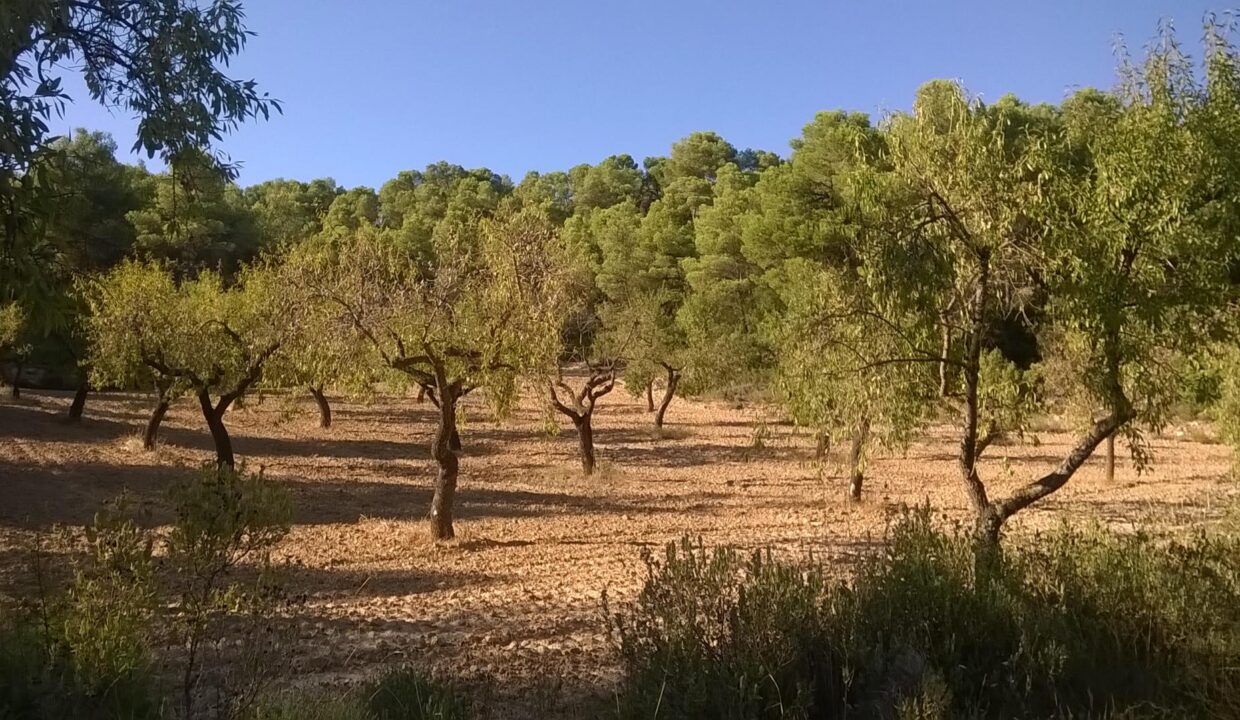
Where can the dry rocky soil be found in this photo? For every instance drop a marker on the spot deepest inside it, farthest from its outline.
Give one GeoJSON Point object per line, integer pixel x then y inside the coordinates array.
{"type": "Point", "coordinates": [513, 606]}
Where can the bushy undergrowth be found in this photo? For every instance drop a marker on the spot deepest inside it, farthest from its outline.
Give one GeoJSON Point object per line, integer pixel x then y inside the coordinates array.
{"type": "Point", "coordinates": [401, 694]}
{"type": "Point", "coordinates": [137, 632]}
{"type": "Point", "coordinates": [1074, 624]}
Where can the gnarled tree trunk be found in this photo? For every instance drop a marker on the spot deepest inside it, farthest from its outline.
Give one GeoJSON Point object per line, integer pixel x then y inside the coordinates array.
{"type": "Point", "coordinates": [79, 402]}
{"type": "Point", "coordinates": [445, 481]}
{"type": "Point", "coordinates": [990, 515]}
{"type": "Point", "coordinates": [162, 401]}
{"type": "Point", "coordinates": [669, 392]}
{"type": "Point", "coordinates": [1110, 458]}
{"type": "Point", "coordinates": [325, 408]}
{"type": "Point", "coordinates": [219, 434]}
{"type": "Point", "coordinates": [856, 459]}
{"type": "Point", "coordinates": [585, 440]}
{"type": "Point", "coordinates": [579, 407]}
{"type": "Point", "coordinates": [822, 447]}
{"type": "Point", "coordinates": [151, 433]}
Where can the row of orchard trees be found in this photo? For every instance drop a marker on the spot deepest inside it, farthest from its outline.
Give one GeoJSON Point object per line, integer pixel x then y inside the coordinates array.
{"type": "Point", "coordinates": [986, 260]}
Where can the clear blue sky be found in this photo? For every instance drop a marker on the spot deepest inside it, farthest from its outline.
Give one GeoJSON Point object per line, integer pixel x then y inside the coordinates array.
{"type": "Point", "coordinates": [372, 87]}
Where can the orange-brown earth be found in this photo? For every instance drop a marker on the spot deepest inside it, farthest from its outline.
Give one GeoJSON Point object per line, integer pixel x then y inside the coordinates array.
{"type": "Point", "coordinates": [513, 607]}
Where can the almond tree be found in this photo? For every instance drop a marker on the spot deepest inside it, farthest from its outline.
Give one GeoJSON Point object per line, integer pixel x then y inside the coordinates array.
{"type": "Point", "coordinates": [1112, 221]}
{"type": "Point", "coordinates": [193, 338]}
{"type": "Point", "coordinates": [578, 406]}
{"type": "Point", "coordinates": [480, 308]}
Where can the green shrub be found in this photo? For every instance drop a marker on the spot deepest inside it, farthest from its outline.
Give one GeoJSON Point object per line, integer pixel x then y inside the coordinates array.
{"type": "Point", "coordinates": [40, 680]}
{"type": "Point", "coordinates": [85, 653]}
{"type": "Point", "coordinates": [1069, 625]}
{"type": "Point", "coordinates": [308, 706]}
{"type": "Point", "coordinates": [405, 694]}
{"type": "Point", "coordinates": [713, 634]}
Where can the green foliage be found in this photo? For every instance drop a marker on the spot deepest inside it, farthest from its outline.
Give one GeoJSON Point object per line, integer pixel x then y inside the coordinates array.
{"type": "Point", "coordinates": [162, 62]}
{"type": "Point", "coordinates": [1226, 410]}
{"type": "Point", "coordinates": [195, 220]}
{"type": "Point", "coordinates": [405, 694]}
{"type": "Point", "coordinates": [38, 681]}
{"type": "Point", "coordinates": [399, 694]}
{"type": "Point", "coordinates": [224, 517]}
{"type": "Point", "coordinates": [486, 305]}
{"type": "Point", "coordinates": [91, 652]}
{"type": "Point", "coordinates": [1072, 624]}
{"type": "Point", "coordinates": [111, 602]}
{"type": "Point", "coordinates": [308, 706]}
{"type": "Point", "coordinates": [198, 335]}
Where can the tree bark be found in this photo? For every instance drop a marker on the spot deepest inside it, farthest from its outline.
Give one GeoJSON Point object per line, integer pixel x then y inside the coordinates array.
{"type": "Point", "coordinates": [823, 446]}
{"type": "Point", "coordinates": [585, 438]}
{"type": "Point", "coordinates": [579, 407]}
{"type": "Point", "coordinates": [673, 378]}
{"type": "Point", "coordinates": [1110, 458]}
{"type": "Point", "coordinates": [945, 349]}
{"type": "Point", "coordinates": [856, 456]}
{"type": "Point", "coordinates": [79, 402]}
{"type": "Point", "coordinates": [445, 481]}
{"type": "Point", "coordinates": [454, 440]}
{"type": "Point", "coordinates": [152, 425]}
{"type": "Point", "coordinates": [219, 434]}
{"type": "Point", "coordinates": [325, 408]}
{"type": "Point", "coordinates": [421, 394]}
{"type": "Point", "coordinates": [650, 396]}
{"type": "Point", "coordinates": [17, 380]}
{"type": "Point", "coordinates": [986, 527]}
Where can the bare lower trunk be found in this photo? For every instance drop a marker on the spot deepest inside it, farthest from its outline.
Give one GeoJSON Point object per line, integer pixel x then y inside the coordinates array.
{"type": "Point", "coordinates": [325, 408]}
{"type": "Point", "coordinates": [17, 381]}
{"type": "Point", "coordinates": [152, 425]}
{"type": "Point", "coordinates": [454, 440]}
{"type": "Point", "coordinates": [79, 402]}
{"type": "Point", "coordinates": [856, 459]}
{"type": "Point", "coordinates": [219, 434]}
{"type": "Point", "coordinates": [650, 396]}
{"type": "Point", "coordinates": [1111, 458]}
{"type": "Point", "coordinates": [421, 394]}
{"type": "Point", "coordinates": [823, 447]}
{"type": "Point", "coordinates": [673, 378]}
{"type": "Point", "coordinates": [445, 481]}
{"type": "Point", "coordinates": [944, 367]}
{"type": "Point", "coordinates": [585, 438]}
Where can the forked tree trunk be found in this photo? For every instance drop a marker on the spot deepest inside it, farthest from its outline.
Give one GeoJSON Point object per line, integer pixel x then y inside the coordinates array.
{"type": "Point", "coordinates": [673, 378]}
{"type": "Point", "coordinates": [991, 514]}
{"type": "Point", "coordinates": [650, 396]}
{"type": "Point", "coordinates": [219, 434]}
{"type": "Point", "coordinates": [1110, 458]}
{"type": "Point", "coordinates": [585, 439]}
{"type": "Point", "coordinates": [856, 459]}
{"type": "Point", "coordinates": [325, 408]}
{"type": "Point", "coordinates": [445, 481]}
{"type": "Point", "coordinates": [79, 402]}
{"type": "Point", "coordinates": [579, 407]}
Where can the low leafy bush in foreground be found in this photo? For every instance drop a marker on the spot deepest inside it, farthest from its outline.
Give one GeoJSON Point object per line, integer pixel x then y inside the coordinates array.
{"type": "Point", "coordinates": [135, 627]}
{"type": "Point", "coordinates": [1075, 624]}
{"type": "Point", "coordinates": [401, 694]}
